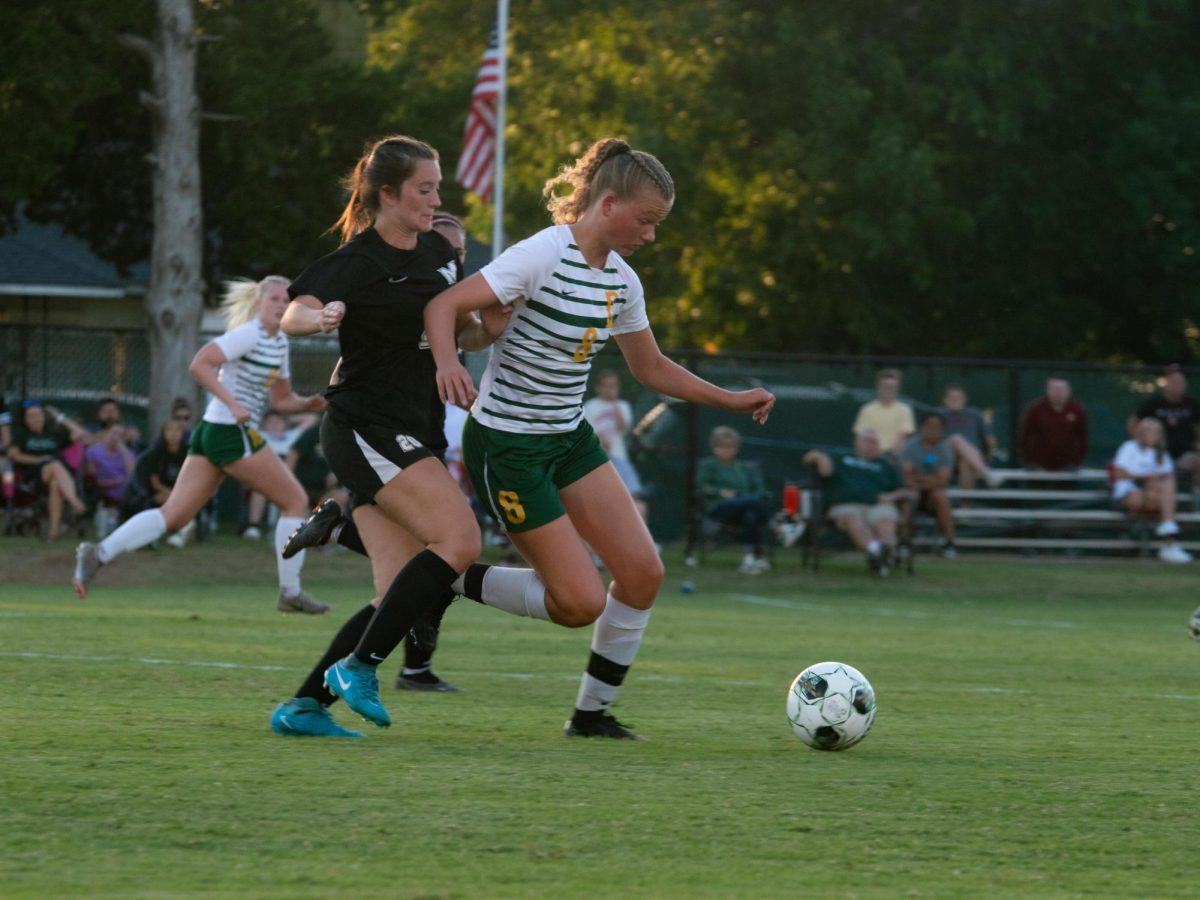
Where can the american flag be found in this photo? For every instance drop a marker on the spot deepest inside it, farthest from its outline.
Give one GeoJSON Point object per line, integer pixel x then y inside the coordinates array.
{"type": "Point", "coordinates": [479, 139]}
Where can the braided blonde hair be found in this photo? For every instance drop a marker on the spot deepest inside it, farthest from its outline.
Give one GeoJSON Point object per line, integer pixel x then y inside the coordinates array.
{"type": "Point", "coordinates": [239, 303]}
{"type": "Point", "coordinates": [610, 164]}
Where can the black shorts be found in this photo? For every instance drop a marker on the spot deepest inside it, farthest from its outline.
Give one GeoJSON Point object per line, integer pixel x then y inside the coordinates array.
{"type": "Point", "coordinates": [365, 458]}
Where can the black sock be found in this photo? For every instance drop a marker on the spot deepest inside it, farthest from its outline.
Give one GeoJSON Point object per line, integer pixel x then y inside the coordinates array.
{"type": "Point", "coordinates": [422, 638]}
{"type": "Point", "coordinates": [349, 537]}
{"type": "Point", "coordinates": [473, 581]}
{"type": "Point", "coordinates": [420, 584]}
{"type": "Point", "coordinates": [341, 646]}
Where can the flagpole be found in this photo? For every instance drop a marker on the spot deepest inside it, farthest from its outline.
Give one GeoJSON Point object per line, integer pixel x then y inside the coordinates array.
{"type": "Point", "coordinates": [501, 105]}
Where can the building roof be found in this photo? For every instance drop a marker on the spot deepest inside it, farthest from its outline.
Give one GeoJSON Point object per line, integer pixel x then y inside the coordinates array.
{"type": "Point", "coordinates": [43, 260]}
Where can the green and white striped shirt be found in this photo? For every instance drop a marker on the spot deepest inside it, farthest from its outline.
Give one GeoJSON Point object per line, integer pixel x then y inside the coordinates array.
{"type": "Point", "coordinates": [564, 312]}
{"type": "Point", "coordinates": [256, 360]}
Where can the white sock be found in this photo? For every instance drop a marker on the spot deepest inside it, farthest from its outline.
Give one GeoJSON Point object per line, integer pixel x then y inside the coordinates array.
{"type": "Point", "coordinates": [289, 569]}
{"type": "Point", "coordinates": [874, 547]}
{"type": "Point", "coordinates": [139, 531]}
{"type": "Point", "coordinates": [615, 641]}
{"type": "Point", "coordinates": [516, 591]}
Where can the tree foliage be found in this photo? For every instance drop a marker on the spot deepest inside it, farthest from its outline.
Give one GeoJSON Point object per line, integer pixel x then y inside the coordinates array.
{"type": "Point", "coordinates": [928, 177]}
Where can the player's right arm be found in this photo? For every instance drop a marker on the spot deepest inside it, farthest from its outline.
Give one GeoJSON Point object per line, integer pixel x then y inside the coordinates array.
{"type": "Point", "coordinates": [308, 315]}
{"type": "Point", "coordinates": [203, 369]}
{"type": "Point", "coordinates": [441, 313]}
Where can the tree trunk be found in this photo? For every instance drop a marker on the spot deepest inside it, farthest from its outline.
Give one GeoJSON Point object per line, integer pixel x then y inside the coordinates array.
{"type": "Point", "coordinates": [175, 300]}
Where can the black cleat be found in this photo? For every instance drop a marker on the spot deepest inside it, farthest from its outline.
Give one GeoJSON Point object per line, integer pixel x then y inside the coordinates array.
{"type": "Point", "coordinates": [425, 682]}
{"type": "Point", "coordinates": [602, 726]}
{"type": "Point", "coordinates": [315, 530]}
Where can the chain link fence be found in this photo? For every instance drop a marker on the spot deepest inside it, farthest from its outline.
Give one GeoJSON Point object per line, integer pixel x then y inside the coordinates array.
{"type": "Point", "coordinates": [818, 397]}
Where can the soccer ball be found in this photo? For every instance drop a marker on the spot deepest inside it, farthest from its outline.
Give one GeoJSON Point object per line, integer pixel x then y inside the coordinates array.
{"type": "Point", "coordinates": [831, 706]}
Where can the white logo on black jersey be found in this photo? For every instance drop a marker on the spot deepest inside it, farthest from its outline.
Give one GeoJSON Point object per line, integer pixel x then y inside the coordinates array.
{"type": "Point", "coordinates": [447, 272]}
{"type": "Point", "coordinates": [398, 280]}
{"type": "Point", "coordinates": [407, 444]}
{"type": "Point", "coordinates": [423, 343]}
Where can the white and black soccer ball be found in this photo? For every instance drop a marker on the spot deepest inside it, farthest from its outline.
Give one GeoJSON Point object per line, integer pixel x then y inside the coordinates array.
{"type": "Point", "coordinates": [831, 706]}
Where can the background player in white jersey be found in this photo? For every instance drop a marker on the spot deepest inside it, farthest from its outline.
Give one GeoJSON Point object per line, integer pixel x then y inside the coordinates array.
{"type": "Point", "coordinates": [531, 453]}
{"type": "Point", "coordinates": [246, 372]}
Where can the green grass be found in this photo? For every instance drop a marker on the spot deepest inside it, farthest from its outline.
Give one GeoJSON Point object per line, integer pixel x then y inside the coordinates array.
{"type": "Point", "coordinates": [1036, 737]}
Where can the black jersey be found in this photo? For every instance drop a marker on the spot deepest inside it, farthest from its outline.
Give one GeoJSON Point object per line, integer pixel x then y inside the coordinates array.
{"type": "Point", "coordinates": [386, 376]}
{"type": "Point", "coordinates": [1179, 418]}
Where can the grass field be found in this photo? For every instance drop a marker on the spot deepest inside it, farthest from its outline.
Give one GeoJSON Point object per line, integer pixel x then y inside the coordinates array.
{"type": "Point", "coordinates": [1037, 737]}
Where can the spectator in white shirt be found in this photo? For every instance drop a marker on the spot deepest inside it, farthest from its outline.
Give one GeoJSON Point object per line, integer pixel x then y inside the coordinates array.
{"type": "Point", "coordinates": [1144, 483]}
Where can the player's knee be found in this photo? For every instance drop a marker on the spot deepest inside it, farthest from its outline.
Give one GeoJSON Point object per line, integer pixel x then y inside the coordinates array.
{"type": "Point", "coordinates": [651, 574]}
{"type": "Point", "coordinates": [461, 549]}
{"type": "Point", "coordinates": [640, 582]}
{"type": "Point", "coordinates": [583, 611]}
{"type": "Point", "coordinates": [295, 503]}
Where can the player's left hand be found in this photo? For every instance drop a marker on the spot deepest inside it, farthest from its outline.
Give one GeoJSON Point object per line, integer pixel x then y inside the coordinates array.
{"type": "Point", "coordinates": [316, 403]}
{"type": "Point", "coordinates": [455, 386]}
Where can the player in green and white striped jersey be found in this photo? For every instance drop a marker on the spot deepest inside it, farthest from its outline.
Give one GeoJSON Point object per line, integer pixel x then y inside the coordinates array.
{"type": "Point", "coordinates": [246, 371]}
{"type": "Point", "coordinates": [532, 456]}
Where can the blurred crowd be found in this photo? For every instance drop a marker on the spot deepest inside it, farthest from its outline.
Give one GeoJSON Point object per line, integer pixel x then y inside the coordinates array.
{"type": "Point", "coordinates": [899, 465]}
{"type": "Point", "coordinates": [62, 474]}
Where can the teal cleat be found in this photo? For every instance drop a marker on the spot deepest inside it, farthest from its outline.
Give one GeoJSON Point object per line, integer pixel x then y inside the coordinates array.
{"type": "Point", "coordinates": [355, 682]}
{"type": "Point", "coordinates": [306, 717]}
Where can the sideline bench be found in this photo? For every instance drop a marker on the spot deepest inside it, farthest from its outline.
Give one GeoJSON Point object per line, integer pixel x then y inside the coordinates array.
{"type": "Point", "coordinates": [1054, 518]}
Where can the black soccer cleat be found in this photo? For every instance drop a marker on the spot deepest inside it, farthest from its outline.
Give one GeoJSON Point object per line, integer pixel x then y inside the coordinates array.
{"type": "Point", "coordinates": [425, 682]}
{"type": "Point", "coordinates": [603, 725]}
{"type": "Point", "coordinates": [315, 530]}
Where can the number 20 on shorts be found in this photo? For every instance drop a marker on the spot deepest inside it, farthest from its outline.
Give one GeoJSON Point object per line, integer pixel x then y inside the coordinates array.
{"type": "Point", "coordinates": [510, 502]}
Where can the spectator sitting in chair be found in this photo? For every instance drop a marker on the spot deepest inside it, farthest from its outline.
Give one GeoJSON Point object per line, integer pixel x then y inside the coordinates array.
{"type": "Point", "coordinates": [862, 489]}
{"type": "Point", "coordinates": [970, 438]}
{"type": "Point", "coordinates": [37, 447]}
{"type": "Point", "coordinates": [108, 465]}
{"type": "Point", "coordinates": [926, 462]}
{"type": "Point", "coordinates": [1144, 483]}
{"type": "Point", "coordinates": [181, 412]}
{"type": "Point", "coordinates": [890, 418]}
{"type": "Point", "coordinates": [734, 495]}
{"type": "Point", "coordinates": [1179, 414]}
{"type": "Point", "coordinates": [156, 472]}
{"type": "Point", "coordinates": [108, 416]}
{"type": "Point", "coordinates": [165, 459]}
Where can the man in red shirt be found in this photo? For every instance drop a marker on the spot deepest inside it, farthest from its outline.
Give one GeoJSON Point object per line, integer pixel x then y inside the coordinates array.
{"type": "Point", "coordinates": [1054, 432]}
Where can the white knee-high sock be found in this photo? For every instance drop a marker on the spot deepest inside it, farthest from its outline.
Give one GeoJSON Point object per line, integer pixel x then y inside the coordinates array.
{"type": "Point", "coordinates": [139, 531]}
{"type": "Point", "coordinates": [289, 569]}
{"type": "Point", "coordinates": [516, 591]}
{"type": "Point", "coordinates": [615, 643]}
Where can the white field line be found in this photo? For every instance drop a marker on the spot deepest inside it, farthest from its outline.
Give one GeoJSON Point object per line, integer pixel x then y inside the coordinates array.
{"type": "Point", "coordinates": [146, 660]}
{"type": "Point", "coordinates": [520, 676]}
{"type": "Point", "coordinates": [889, 612]}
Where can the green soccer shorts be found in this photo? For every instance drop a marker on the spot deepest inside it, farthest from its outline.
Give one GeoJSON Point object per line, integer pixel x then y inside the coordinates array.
{"type": "Point", "coordinates": [224, 444]}
{"type": "Point", "coordinates": [518, 476]}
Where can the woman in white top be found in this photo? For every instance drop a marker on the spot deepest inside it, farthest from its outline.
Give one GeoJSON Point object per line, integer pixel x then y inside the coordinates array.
{"type": "Point", "coordinates": [246, 372]}
{"type": "Point", "coordinates": [1144, 484]}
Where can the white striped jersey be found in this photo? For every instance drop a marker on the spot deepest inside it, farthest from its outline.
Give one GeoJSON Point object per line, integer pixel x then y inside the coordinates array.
{"type": "Point", "coordinates": [255, 361]}
{"type": "Point", "coordinates": [564, 311]}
